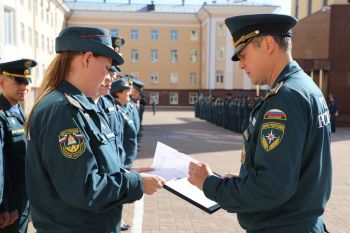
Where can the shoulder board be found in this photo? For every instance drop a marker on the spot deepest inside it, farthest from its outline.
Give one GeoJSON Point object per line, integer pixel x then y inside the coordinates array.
{"type": "Point", "coordinates": [274, 90]}
{"type": "Point", "coordinates": [73, 102]}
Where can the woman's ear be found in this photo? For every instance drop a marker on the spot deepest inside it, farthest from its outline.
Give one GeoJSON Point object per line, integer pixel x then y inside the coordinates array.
{"type": "Point", "coordinates": [87, 57]}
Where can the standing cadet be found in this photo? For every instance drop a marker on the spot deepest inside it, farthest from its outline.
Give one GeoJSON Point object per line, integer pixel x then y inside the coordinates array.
{"type": "Point", "coordinates": [121, 92]}
{"type": "Point", "coordinates": [74, 175]}
{"type": "Point", "coordinates": [333, 111]}
{"type": "Point", "coordinates": [285, 177]}
{"type": "Point", "coordinates": [14, 81]}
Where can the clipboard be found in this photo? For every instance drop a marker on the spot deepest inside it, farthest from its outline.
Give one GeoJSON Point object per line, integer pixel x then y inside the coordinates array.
{"type": "Point", "coordinates": [190, 193]}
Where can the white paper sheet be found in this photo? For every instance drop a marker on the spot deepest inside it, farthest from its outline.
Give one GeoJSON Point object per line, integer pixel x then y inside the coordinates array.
{"type": "Point", "coordinates": [173, 167]}
{"type": "Point", "coordinates": [170, 163]}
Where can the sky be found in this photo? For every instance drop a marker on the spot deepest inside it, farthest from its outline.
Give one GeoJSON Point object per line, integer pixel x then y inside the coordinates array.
{"type": "Point", "coordinates": [285, 4]}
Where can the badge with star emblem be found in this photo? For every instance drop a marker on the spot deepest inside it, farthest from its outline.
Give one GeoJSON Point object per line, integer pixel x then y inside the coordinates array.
{"type": "Point", "coordinates": [271, 135]}
{"type": "Point", "coordinates": [72, 143]}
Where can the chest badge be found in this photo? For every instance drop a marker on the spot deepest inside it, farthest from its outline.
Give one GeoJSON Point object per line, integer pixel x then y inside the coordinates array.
{"type": "Point", "coordinates": [271, 135]}
{"type": "Point", "coordinates": [72, 143]}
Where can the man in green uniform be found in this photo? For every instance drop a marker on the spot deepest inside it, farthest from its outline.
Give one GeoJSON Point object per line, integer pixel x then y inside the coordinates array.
{"type": "Point", "coordinates": [14, 80]}
{"type": "Point", "coordinates": [285, 177]}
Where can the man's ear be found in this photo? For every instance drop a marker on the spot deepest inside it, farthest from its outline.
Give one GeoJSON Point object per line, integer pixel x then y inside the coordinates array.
{"type": "Point", "coordinates": [269, 44]}
{"type": "Point", "coordinates": [87, 57]}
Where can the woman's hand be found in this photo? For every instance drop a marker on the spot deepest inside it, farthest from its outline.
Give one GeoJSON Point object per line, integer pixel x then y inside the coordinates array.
{"type": "Point", "coordinates": [151, 183]}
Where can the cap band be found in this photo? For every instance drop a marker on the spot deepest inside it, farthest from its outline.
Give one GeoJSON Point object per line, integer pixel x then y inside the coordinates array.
{"type": "Point", "coordinates": [245, 37]}
{"type": "Point", "coordinates": [16, 75]}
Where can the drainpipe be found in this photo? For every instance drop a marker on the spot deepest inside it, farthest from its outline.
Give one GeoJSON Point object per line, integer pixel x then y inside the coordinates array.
{"type": "Point", "coordinates": [200, 54]}
{"type": "Point", "coordinates": [209, 54]}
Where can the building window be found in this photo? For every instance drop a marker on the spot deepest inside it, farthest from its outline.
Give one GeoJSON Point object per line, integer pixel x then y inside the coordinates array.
{"type": "Point", "coordinates": [154, 55]}
{"type": "Point", "coordinates": [192, 97]}
{"type": "Point", "coordinates": [30, 5]}
{"type": "Point", "coordinates": [36, 39]}
{"type": "Point", "coordinates": [154, 34]}
{"type": "Point", "coordinates": [173, 98]}
{"type": "Point", "coordinates": [22, 32]}
{"type": "Point", "coordinates": [37, 70]}
{"type": "Point", "coordinates": [193, 78]}
{"type": "Point", "coordinates": [43, 70]}
{"type": "Point", "coordinates": [52, 46]}
{"type": "Point", "coordinates": [134, 55]}
{"type": "Point", "coordinates": [193, 56]}
{"type": "Point", "coordinates": [43, 42]}
{"type": "Point", "coordinates": [47, 15]}
{"type": "Point", "coordinates": [114, 32]}
{"type": "Point", "coordinates": [174, 35]}
{"type": "Point", "coordinates": [154, 96]}
{"type": "Point", "coordinates": [30, 40]}
{"type": "Point", "coordinates": [173, 55]}
{"type": "Point", "coordinates": [220, 53]}
{"type": "Point", "coordinates": [296, 9]}
{"type": "Point", "coordinates": [309, 7]}
{"type": "Point", "coordinates": [221, 29]}
{"type": "Point", "coordinates": [194, 35]}
{"type": "Point", "coordinates": [9, 27]}
{"type": "Point", "coordinates": [51, 19]}
{"type": "Point", "coordinates": [174, 77]}
{"type": "Point", "coordinates": [42, 10]}
{"type": "Point", "coordinates": [36, 7]}
{"type": "Point", "coordinates": [219, 76]}
{"type": "Point", "coordinates": [134, 34]}
{"type": "Point", "coordinates": [48, 44]}
{"type": "Point", "coordinates": [325, 2]}
{"type": "Point", "coordinates": [154, 78]}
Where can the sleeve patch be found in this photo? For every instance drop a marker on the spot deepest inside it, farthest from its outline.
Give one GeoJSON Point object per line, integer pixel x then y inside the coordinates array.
{"type": "Point", "coordinates": [72, 143]}
{"type": "Point", "coordinates": [275, 114]}
{"type": "Point", "coordinates": [271, 135]}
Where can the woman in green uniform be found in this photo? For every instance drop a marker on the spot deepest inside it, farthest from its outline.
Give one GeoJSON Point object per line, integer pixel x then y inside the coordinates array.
{"type": "Point", "coordinates": [74, 176]}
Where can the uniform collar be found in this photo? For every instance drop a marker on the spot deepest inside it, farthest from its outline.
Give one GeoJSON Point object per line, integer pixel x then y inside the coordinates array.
{"type": "Point", "coordinates": [5, 104]}
{"type": "Point", "coordinates": [291, 68]}
{"type": "Point", "coordinates": [68, 88]}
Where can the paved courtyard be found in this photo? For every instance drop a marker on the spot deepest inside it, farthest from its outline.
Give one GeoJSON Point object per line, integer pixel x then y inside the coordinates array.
{"type": "Point", "coordinates": [221, 149]}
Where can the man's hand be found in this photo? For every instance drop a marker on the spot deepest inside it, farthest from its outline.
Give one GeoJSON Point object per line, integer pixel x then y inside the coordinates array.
{"type": "Point", "coordinates": [198, 172]}
{"type": "Point", "coordinates": [151, 183]}
{"type": "Point", "coordinates": [4, 219]}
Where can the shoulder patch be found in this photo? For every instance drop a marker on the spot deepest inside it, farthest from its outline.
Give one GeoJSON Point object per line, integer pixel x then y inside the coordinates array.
{"type": "Point", "coordinates": [73, 102]}
{"type": "Point", "coordinates": [275, 114]}
{"type": "Point", "coordinates": [271, 135]}
{"type": "Point", "coordinates": [72, 143]}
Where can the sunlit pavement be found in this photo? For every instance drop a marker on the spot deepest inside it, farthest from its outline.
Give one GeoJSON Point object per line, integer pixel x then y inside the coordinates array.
{"type": "Point", "coordinates": [164, 212]}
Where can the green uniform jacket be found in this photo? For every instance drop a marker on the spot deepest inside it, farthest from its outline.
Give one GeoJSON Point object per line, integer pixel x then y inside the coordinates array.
{"type": "Point", "coordinates": [14, 152]}
{"type": "Point", "coordinates": [285, 176]}
{"type": "Point", "coordinates": [74, 176]}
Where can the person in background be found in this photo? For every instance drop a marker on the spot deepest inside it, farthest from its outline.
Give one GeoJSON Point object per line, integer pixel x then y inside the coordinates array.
{"type": "Point", "coordinates": [121, 93]}
{"type": "Point", "coordinates": [333, 111]}
{"type": "Point", "coordinates": [154, 104]}
{"type": "Point", "coordinates": [15, 77]}
{"type": "Point", "coordinates": [286, 171]}
{"type": "Point", "coordinates": [75, 178]}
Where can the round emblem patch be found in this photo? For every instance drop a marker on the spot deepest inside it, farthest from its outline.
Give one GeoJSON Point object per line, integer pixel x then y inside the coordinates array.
{"type": "Point", "coordinates": [72, 143]}
{"type": "Point", "coordinates": [271, 135]}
